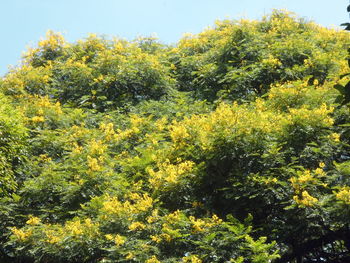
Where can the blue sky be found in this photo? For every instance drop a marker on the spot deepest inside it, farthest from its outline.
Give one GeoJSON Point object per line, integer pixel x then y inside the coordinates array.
{"type": "Point", "coordinates": [24, 22]}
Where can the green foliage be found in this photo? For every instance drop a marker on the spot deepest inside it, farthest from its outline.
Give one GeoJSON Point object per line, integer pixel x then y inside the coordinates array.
{"type": "Point", "coordinates": [241, 59]}
{"type": "Point", "coordinates": [231, 146]}
{"type": "Point", "coordinates": [12, 145]}
{"type": "Point", "coordinates": [96, 73]}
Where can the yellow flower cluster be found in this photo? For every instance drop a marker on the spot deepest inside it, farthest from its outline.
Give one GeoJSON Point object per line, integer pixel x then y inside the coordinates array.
{"type": "Point", "coordinates": [282, 25]}
{"type": "Point", "coordinates": [42, 107]}
{"type": "Point", "coordinates": [123, 135]}
{"type": "Point", "coordinates": [169, 173]}
{"type": "Point", "coordinates": [152, 259]}
{"type": "Point", "coordinates": [335, 137]}
{"type": "Point", "coordinates": [77, 132]}
{"type": "Point", "coordinates": [318, 116]}
{"type": "Point", "coordinates": [137, 121]}
{"type": "Point", "coordinates": [178, 133]}
{"type": "Point", "coordinates": [193, 43]}
{"type": "Point", "coordinates": [38, 119]}
{"type": "Point", "coordinates": [307, 176]}
{"type": "Point", "coordinates": [93, 164]}
{"type": "Point", "coordinates": [227, 120]}
{"type": "Point", "coordinates": [319, 172]}
{"type": "Point", "coordinates": [108, 130]}
{"type": "Point", "coordinates": [156, 238]}
{"type": "Point", "coordinates": [281, 93]}
{"type": "Point", "coordinates": [139, 203]}
{"type": "Point", "coordinates": [200, 225]}
{"type": "Point", "coordinates": [52, 41]}
{"type": "Point", "coordinates": [33, 220]}
{"type": "Point", "coordinates": [98, 79]}
{"type": "Point", "coordinates": [97, 147]}
{"type": "Point", "coordinates": [74, 228]}
{"type": "Point", "coordinates": [77, 149]}
{"type": "Point", "coordinates": [130, 255]}
{"type": "Point", "coordinates": [153, 217]}
{"type": "Point", "coordinates": [54, 234]}
{"type": "Point", "coordinates": [52, 237]}
{"type": "Point", "coordinates": [118, 239]}
{"type": "Point", "coordinates": [137, 226]}
{"type": "Point", "coordinates": [302, 178]}
{"type": "Point", "coordinates": [44, 102]}
{"type": "Point", "coordinates": [271, 61]}
{"type": "Point", "coordinates": [161, 123]}
{"type": "Point", "coordinates": [344, 195]}
{"type": "Point", "coordinates": [20, 234]}
{"type": "Point", "coordinates": [306, 200]}
{"type": "Point", "coordinates": [118, 46]}
{"type": "Point", "coordinates": [191, 259]}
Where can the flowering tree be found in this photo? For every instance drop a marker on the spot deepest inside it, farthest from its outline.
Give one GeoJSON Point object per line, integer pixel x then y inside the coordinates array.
{"type": "Point", "coordinates": [230, 146]}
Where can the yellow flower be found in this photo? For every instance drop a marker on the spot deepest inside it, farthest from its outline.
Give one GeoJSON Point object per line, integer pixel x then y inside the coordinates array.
{"type": "Point", "coordinates": [335, 137]}
{"type": "Point", "coordinates": [38, 119]}
{"type": "Point", "coordinates": [74, 227]}
{"type": "Point", "coordinates": [192, 259]}
{"type": "Point", "coordinates": [319, 172]}
{"type": "Point", "coordinates": [108, 130]}
{"type": "Point", "coordinates": [197, 224]}
{"type": "Point", "coordinates": [156, 239]}
{"type": "Point", "coordinates": [88, 223]}
{"type": "Point", "coordinates": [178, 133]}
{"type": "Point", "coordinates": [20, 234]}
{"type": "Point", "coordinates": [153, 259]}
{"type": "Point", "coordinates": [119, 240]}
{"type": "Point", "coordinates": [129, 255]}
{"type": "Point", "coordinates": [52, 41]}
{"type": "Point", "coordinates": [98, 79]}
{"type": "Point", "coordinates": [154, 217]}
{"type": "Point", "coordinates": [76, 148]}
{"type": "Point", "coordinates": [40, 112]}
{"type": "Point", "coordinates": [169, 173]}
{"type": "Point", "coordinates": [305, 177]}
{"type": "Point", "coordinates": [166, 237]}
{"type": "Point", "coordinates": [136, 226]}
{"type": "Point", "coordinates": [344, 195]}
{"type": "Point", "coordinates": [93, 164]}
{"type": "Point", "coordinates": [96, 147]}
{"type": "Point", "coordinates": [216, 219]}
{"type": "Point", "coordinates": [307, 199]}
{"type": "Point", "coordinates": [33, 220]}
{"type": "Point", "coordinates": [52, 238]}
{"type": "Point", "coordinates": [109, 237]}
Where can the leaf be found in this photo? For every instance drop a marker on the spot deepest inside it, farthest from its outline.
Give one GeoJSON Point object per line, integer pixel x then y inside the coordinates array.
{"type": "Point", "coordinates": [345, 91]}
{"type": "Point", "coordinates": [210, 237]}
{"type": "Point", "coordinates": [346, 74]}
{"type": "Point", "coordinates": [340, 88]}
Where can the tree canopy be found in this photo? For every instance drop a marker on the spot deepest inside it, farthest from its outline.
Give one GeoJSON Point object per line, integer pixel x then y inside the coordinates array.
{"type": "Point", "coordinates": [230, 146]}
